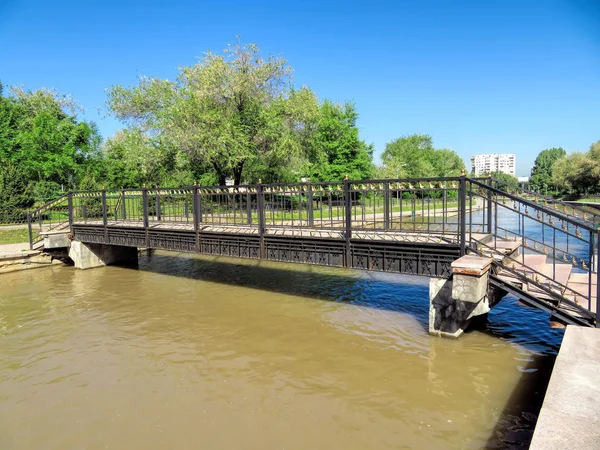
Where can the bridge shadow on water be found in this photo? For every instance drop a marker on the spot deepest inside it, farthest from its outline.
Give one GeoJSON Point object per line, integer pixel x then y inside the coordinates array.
{"type": "Point", "coordinates": [509, 321]}
{"type": "Point", "coordinates": [359, 288]}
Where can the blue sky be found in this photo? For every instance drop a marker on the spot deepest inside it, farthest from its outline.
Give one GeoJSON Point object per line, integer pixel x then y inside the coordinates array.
{"type": "Point", "coordinates": [479, 76]}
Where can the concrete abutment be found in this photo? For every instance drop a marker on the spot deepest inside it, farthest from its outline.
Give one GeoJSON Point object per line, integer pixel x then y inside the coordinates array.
{"type": "Point", "coordinates": [87, 256]}
{"type": "Point", "coordinates": [456, 302]}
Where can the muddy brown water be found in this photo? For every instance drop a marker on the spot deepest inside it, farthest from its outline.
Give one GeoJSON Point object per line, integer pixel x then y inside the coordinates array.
{"type": "Point", "coordinates": [188, 352]}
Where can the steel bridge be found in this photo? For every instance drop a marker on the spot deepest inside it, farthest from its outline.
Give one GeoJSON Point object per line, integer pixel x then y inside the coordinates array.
{"type": "Point", "coordinates": [543, 251]}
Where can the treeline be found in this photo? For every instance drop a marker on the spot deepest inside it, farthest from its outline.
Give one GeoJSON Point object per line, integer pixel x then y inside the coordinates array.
{"type": "Point", "coordinates": [232, 117]}
{"type": "Point", "coordinates": [557, 172]}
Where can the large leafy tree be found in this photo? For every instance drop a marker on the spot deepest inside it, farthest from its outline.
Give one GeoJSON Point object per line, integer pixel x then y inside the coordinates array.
{"type": "Point", "coordinates": [541, 174]}
{"type": "Point", "coordinates": [579, 171]}
{"type": "Point", "coordinates": [340, 150]}
{"type": "Point", "coordinates": [40, 134]}
{"type": "Point", "coordinates": [415, 156]}
{"type": "Point", "coordinates": [576, 171]}
{"type": "Point", "coordinates": [227, 111]}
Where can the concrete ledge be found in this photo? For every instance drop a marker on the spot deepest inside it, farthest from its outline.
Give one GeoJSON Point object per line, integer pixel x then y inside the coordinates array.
{"type": "Point", "coordinates": [570, 415]}
{"type": "Point", "coordinates": [25, 260]}
{"type": "Point", "coordinates": [57, 240]}
{"type": "Point", "coordinates": [471, 265]}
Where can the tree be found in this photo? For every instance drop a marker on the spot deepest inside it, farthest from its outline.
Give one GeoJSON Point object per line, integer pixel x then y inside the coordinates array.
{"type": "Point", "coordinates": [414, 156]}
{"type": "Point", "coordinates": [14, 190]}
{"type": "Point", "coordinates": [40, 134]}
{"type": "Point", "coordinates": [576, 171]}
{"type": "Point", "coordinates": [541, 174]}
{"type": "Point", "coordinates": [507, 178]}
{"type": "Point", "coordinates": [340, 150]}
{"type": "Point", "coordinates": [225, 111]}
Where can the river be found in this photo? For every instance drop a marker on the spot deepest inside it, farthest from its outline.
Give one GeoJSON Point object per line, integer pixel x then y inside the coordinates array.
{"type": "Point", "coordinates": [186, 351]}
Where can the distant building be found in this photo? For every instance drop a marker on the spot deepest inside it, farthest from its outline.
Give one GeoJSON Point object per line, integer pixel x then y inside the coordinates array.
{"type": "Point", "coordinates": [493, 162]}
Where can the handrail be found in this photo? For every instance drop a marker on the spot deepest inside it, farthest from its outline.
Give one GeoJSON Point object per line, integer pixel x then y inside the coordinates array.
{"type": "Point", "coordinates": [531, 204]}
{"type": "Point", "coordinates": [549, 199]}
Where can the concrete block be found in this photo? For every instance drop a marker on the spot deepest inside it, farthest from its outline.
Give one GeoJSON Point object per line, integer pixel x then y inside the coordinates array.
{"type": "Point", "coordinates": [87, 256]}
{"type": "Point", "coordinates": [53, 241]}
{"type": "Point", "coordinates": [471, 265]}
{"type": "Point", "coordinates": [469, 288]}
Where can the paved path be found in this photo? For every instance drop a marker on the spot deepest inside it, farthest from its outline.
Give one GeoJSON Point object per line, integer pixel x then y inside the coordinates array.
{"type": "Point", "coordinates": [13, 227]}
{"type": "Point", "coordinates": [14, 249]}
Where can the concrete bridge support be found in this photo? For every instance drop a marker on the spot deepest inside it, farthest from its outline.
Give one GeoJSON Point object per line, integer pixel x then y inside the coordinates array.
{"type": "Point", "coordinates": [455, 302]}
{"type": "Point", "coordinates": [87, 256]}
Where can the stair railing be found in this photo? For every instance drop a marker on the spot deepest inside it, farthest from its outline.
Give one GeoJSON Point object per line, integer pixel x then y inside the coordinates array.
{"type": "Point", "coordinates": [561, 238]}
{"type": "Point", "coordinates": [54, 215]}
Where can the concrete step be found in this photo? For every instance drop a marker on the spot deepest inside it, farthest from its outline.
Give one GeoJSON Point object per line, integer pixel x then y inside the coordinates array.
{"type": "Point", "coordinates": [500, 248]}
{"type": "Point", "coordinates": [532, 263]}
{"type": "Point", "coordinates": [559, 273]}
{"type": "Point", "coordinates": [583, 278]}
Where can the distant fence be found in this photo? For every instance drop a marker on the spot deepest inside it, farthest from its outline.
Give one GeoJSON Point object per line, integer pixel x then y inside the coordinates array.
{"type": "Point", "coordinates": [13, 217]}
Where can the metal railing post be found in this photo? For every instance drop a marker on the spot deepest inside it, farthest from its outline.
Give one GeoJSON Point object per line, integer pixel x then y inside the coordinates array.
{"type": "Point", "coordinates": [261, 218]}
{"type": "Point", "coordinates": [70, 208]}
{"type": "Point", "coordinates": [145, 218]}
{"type": "Point", "coordinates": [489, 206]}
{"type": "Point", "coordinates": [348, 230]}
{"type": "Point", "coordinates": [30, 231]}
{"type": "Point", "coordinates": [158, 205]}
{"type": "Point", "coordinates": [197, 217]}
{"type": "Point", "coordinates": [123, 207]}
{"type": "Point", "coordinates": [249, 208]}
{"type": "Point", "coordinates": [104, 215]}
{"type": "Point", "coordinates": [309, 205]}
{"type": "Point", "coordinates": [597, 280]}
{"type": "Point", "coordinates": [462, 221]}
{"type": "Point", "coordinates": [386, 207]}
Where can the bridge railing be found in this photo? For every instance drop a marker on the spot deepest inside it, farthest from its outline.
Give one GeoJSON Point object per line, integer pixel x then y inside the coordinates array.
{"type": "Point", "coordinates": [52, 216]}
{"type": "Point", "coordinates": [426, 205]}
{"type": "Point", "coordinates": [580, 213]}
{"type": "Point", "coordinates": [563, 239]}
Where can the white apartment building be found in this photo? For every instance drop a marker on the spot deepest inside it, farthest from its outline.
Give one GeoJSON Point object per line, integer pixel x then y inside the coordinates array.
{"type": "Point", "coordinates": [493, 162]}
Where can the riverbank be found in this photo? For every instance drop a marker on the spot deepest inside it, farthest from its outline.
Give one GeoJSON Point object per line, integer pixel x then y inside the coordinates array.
{"type": "Point", "coordinates": [14, 257]}
{"type": "Point", "coordinates": [570, 415]}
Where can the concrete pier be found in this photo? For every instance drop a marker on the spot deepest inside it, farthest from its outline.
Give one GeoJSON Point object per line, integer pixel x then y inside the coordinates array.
{"type": "Point", "coordinates": [570, 415]}
{"type": "Point", "coordinates": [455, 302]}
{"type": "Point", "coordinates": [87, 256]}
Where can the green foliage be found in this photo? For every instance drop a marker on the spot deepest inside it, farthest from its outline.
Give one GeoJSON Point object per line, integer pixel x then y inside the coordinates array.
{"type": "Point", "coordinates": [40, 134]}
{"type": "Point", "coordinates": [507, 178]}
{"type": "Point", "coordinates": [224, 111]}
{"type": "Point", "coordinates": [340, 151]}
{"type": "Point", "coordinates": [578, 171]}
{"type": "Point", "coordinates": [414, 156]}
{"type": "Point", "coordinates": [45, 190]}
{"type": "Point", "coordinates": [541, 174]}
{"type": "Point", "coordinates": [14, 188]}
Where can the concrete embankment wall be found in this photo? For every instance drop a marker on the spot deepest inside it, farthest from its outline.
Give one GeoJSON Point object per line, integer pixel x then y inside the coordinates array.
{"type": "Point", "coordinates": [570, 415]}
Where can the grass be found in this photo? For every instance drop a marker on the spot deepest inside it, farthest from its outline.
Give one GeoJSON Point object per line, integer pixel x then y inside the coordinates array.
{"type": "Point", "coordinates": [14, 236]}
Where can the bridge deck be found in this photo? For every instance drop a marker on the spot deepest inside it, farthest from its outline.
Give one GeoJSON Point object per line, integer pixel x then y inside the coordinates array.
{"type": "Point", "coordinates": [440, 237]}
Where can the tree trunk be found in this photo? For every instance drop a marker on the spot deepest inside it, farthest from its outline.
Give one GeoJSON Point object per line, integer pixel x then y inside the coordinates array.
{"type": "Point", "coordinates": [237, 174]}
{"type": "Point", "coordinates": [221, 176]}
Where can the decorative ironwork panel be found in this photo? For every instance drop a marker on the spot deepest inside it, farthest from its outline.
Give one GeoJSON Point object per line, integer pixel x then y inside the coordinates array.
{"type": "Point", "coordinates": [433, 261]}
{"type": "Point", "coordinates": [181, 242]}
{"type": "Point", "coordinates": [93, 235]}
{"type": "Point", "coordinates": [127, 237]}
{"type": "Point", "coordinates": [308, 251]}
{"type": "Point", "coordinates": [228, 245]}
